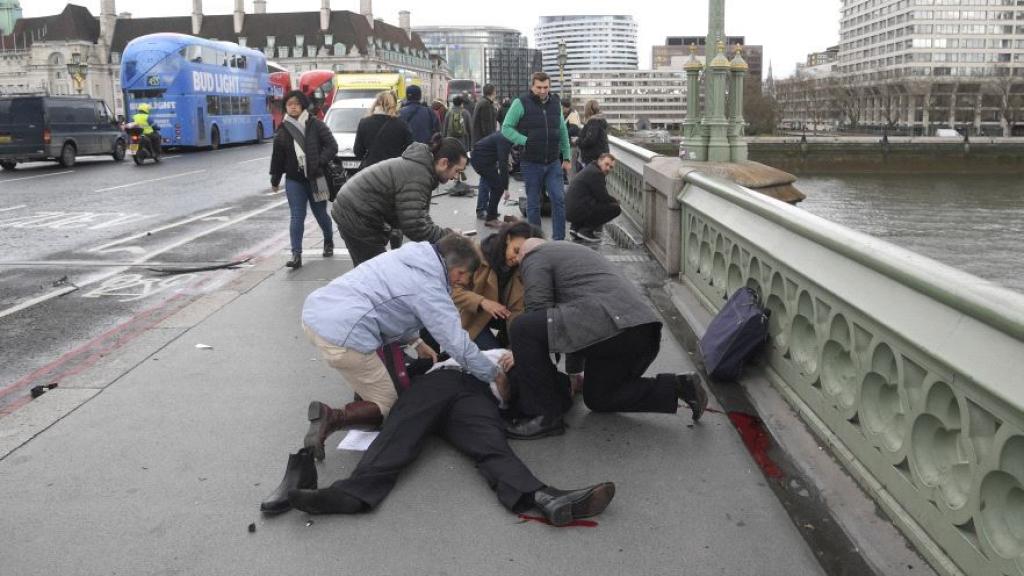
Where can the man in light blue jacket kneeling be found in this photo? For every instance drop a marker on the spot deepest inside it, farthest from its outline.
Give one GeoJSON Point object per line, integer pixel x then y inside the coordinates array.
{"type": "Point", "coordinates": [383, 301]}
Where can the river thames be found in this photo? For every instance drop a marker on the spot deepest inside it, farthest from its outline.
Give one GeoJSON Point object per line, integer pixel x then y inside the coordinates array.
{"type": "Point", "coordinates": [972, 223]}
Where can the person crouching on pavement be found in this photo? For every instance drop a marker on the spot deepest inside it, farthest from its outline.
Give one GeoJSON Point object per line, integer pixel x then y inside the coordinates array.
{"type": "Point", "coordinates": [578, 304]}
{"type": "Point", "coordinates": [497, 296]}
{"type": "Point", "coordinates": [588, 206]}
{"type": "Point", "coordinates": [395, 194]}
{"type": "Point", "coordinates": [388, 300]}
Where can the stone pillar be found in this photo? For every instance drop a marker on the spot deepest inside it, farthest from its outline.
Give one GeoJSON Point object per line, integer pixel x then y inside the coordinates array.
{"type": "Point", "coordinates": [404, 22]}
{"type": "Point", "coordinates": [325, 15]}
{"type": "Point", "coordinates": [239, 15]}
{"type": "Point", "coordinates": [197, 17]}
{"type": "Point", "coordinates": [366, 9]}
{"type": "Point", "coordinates": [926, 113]}
{"type": "Point", "coordinates": [737, 123]}
{"type": "Point", "coordinates": [693, 138]}
{"type": "Point", "coordinates": [716, 121]}
{"type": "Point", "coordinates": [108, 19]}
{"type": "Point", "coordinates": [259, 6]}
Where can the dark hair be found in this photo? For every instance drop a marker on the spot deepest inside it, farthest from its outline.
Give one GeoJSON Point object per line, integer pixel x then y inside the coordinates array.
{"type": "Point", "coordinates": [495, 252]}
{"type": "Point", "coordinates": [539, 77]}
{"type": "Point", "coordinates": [459, 251]}
{"type": "Point", "coordinates": [413, 93]}
{"type": "Point", "coordinates": [607, 155]}
{"type": "Point", "coordinates": [457, 101]}
{"type": "Point", "coordinates": [566, 102]}
{"type": "Point", "coordinates": [450, 149]}
{"type": "Point", "coordinates": [303, 100]}
{"type": "Point", "coordinates": [488, 89]}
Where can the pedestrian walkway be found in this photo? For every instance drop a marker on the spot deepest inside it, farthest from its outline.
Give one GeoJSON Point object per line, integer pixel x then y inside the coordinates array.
{"type": "Point", "coordinates": [162, 466]}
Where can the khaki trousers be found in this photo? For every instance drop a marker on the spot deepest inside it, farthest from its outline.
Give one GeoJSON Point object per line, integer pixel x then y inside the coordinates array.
{"type": "Point", "coordinates": [365, 373]}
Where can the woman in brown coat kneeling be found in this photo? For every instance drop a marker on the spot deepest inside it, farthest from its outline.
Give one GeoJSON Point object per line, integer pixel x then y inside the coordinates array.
{"type": "Point", "coordinates": [497, 296]}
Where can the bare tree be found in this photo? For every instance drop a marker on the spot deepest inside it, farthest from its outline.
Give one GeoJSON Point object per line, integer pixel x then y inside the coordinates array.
{"type": "Point", "coordinates": [848, 96]}
{"type": "Point", "coordinates": [1009, 91]}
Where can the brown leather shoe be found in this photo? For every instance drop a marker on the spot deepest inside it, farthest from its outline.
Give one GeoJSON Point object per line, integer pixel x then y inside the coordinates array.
{"type": "Point", "coordinates": [324, 421]}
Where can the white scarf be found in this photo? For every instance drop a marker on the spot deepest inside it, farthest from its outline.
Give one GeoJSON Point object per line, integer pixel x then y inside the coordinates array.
{"type": "Point", "coordinates": [299, 123]}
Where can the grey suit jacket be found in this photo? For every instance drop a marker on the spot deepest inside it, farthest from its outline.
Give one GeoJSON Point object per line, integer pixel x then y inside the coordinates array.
{"type": "Point", "coordinates": [586, 297]}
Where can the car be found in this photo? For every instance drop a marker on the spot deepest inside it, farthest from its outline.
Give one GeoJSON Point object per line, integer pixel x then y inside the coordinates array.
{"type": "Point", "coordinates": [61, 128]}
{"type": "Point", "coordinates": [343, 119]}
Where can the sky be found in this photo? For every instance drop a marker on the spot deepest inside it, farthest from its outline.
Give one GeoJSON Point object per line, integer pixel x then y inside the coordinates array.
{"type": "Point", "coordinates": [788, 29]}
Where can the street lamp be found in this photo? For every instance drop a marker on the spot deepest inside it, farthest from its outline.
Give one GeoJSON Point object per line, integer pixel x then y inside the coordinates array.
{"type": "Point", "coordinates": [563, 57]}
{"type": "Point", "coordinates": [77, 69]}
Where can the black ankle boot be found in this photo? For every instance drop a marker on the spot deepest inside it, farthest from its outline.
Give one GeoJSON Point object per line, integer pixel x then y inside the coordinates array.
{"type": "Point", "coordinates": [295, 262]}
{"type": "Point", "coordinates": [561, 507]}
{"type": "Point", "coordinates": [300, 474]}
{"type": "Point", "coordinates": [328, 249]}
{"type": "Point", "coordinates": [330, 500]}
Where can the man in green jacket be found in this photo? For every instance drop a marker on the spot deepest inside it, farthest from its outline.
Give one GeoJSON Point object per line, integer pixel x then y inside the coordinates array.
{"type": "Point", "coordinates": [535, 122]}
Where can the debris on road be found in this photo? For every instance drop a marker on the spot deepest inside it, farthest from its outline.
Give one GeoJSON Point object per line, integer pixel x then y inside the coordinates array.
{"type": "Point", "coordinates": [38, 391]}
{"type": "Point", "coordinates": [204, 347]}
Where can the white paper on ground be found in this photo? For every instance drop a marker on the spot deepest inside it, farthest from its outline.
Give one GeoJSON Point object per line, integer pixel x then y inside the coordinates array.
{"type": "Point", "coordinates": [357, 440]}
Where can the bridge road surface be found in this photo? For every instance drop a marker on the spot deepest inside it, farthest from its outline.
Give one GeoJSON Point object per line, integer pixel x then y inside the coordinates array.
{"type": "Point", "coordinates": [75, 245]}
{"type": "Point", "coordinates": [161, 469]}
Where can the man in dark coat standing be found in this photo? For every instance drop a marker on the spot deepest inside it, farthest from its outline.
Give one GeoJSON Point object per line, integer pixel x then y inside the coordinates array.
{"type": "Point", "coordinates": [588, 206]}
{"type": "Point", "coordinates": [421, 119]}
{"type": "Point", "coordinates": [485, 116]}
{"type": "Point", "coordinates": [578, 304]}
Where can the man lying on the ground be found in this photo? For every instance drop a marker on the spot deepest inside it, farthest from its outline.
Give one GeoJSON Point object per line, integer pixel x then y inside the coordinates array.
{"type": "Point", "coordinates": [388, 299]}
{"type": "Point", "coordinates": [578, 304]}
{"type": "Point", "coordinates": [460, 408]}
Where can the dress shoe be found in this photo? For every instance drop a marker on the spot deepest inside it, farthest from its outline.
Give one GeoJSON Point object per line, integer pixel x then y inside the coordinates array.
{"type": "Point", "coordinates": [330, 500]}
{"type": "Point", "coordinates": [481, 215]}
{"type": "Point", "coordinates": [495, 223]}
{"type": "Point", "coordinates": [300, 473]}
{"type": "Point", "coordinates": [328, 249]}
{"type": "Point", "coordinates": [324, 421]}
{"type": "Point", "coordinates": [561, 507]}
{"type": "Point", "coordinates": [690, 390]}
{"type": "Point", "coordinates": [533, 428]}
{"type": "Point", "coordinates": [295, 262]}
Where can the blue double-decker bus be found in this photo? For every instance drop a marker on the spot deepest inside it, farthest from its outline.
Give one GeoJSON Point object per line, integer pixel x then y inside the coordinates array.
{"type": "Point", "coordinates": [200, 92]}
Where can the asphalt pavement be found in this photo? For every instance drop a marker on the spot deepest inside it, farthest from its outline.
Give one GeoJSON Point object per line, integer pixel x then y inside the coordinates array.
{"type": "Point", "coordinates": [154, 461]}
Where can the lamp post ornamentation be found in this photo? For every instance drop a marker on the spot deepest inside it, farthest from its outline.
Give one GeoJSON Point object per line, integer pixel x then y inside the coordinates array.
{"type": "Point", "coordinates": [77, 70]}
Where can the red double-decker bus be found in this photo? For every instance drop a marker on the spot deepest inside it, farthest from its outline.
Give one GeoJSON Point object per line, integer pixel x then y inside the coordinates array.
{"type": "Point", "coordinates": [280, 84]}
{"type": "Point", "coordinates": [318, 85]}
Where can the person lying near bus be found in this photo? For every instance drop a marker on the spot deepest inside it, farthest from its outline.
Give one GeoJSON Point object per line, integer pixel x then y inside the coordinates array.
{"type": "Point", "coordinates": [385, 301]}
{"type": "Point", "coordinates": [395, 194]}
{"type": "Point", "coordinates": [462, 409]}
{"type": "Point", "coordinates": [497, 296]}
{"type": "Point", "coordinates": [578, 304]}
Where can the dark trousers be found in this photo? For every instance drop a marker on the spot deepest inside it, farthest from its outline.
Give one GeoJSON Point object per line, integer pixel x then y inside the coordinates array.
{"type": "Point", "coordinates": [613, 379]}
{"type": "Point", "coordinates": [459, 408]}
{"type": "Point", "coordinates": [491, 190]}
{"type": "Point", "coordinates": [359, 249]}
{"type": "Point", "coordinates": [596, 217]}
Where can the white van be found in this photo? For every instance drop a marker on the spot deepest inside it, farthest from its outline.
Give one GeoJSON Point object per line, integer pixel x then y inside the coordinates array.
{"type": "Point", "coordinates": [343, 119]}
{"type": "Point", "coordinates": [947, 133]}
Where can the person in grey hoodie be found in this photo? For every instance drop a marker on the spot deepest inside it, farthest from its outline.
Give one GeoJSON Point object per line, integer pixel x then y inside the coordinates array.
{"type": "Point", "coordinates": [395, 195]}
{"type": "Point", "coordinates": [388, 300]}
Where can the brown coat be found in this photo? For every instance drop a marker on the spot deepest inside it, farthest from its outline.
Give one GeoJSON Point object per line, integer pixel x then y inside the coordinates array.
{"type": "Point", "coordinates": [485, 286]}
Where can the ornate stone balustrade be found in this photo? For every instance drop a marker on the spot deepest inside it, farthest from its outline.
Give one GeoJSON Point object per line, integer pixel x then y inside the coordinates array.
{"type": "Point", "coordinates": [911, 371]}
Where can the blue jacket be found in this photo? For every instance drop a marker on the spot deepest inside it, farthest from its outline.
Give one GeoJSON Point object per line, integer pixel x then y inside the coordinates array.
{"type": "Point", "coordinates": [422, 121]}
{"type": "Point", "coordinates": [389, 299]}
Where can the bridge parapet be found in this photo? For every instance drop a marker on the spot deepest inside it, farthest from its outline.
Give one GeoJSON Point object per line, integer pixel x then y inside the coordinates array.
{"type": "Point", "coordinates": [911, 371]}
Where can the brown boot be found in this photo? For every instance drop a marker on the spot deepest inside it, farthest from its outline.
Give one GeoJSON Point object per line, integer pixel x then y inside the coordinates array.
{"type": "Point", "coordinates": [324, 421]}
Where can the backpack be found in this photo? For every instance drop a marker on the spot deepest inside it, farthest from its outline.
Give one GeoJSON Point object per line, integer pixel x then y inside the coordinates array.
{"type": "Point", "coordinates": [456, 126]}
{"type": "Point", "coordinates": [734, 335]}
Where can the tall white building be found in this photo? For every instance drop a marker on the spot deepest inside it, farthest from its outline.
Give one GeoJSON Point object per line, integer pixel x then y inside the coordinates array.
{"type": "Point", "coordinates": [924, 64]}
{"type": "Point", "coordinates": [635, 99]}
{"type": "Point", "coordinates": [592, 43]}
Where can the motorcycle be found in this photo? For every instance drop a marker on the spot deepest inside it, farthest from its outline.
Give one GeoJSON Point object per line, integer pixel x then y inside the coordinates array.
{"type": "Point", "coordinates": [141, 146]}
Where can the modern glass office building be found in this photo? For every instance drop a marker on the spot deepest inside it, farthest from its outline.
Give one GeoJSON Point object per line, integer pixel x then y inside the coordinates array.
{"type": "Point", "coordinates": [592, 43]}
{"type": "Point", "coordinates": [466, 48]}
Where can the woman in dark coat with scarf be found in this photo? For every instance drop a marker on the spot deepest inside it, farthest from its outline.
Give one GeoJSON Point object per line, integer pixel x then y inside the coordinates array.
{"type": "Point", "coordinates": [302, 165]}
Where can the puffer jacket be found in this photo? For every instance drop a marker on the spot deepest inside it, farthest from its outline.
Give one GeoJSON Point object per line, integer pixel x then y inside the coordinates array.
{"type": "Point", "coordinates": [321, 148]}
{"type": "Point", "coordinates": [390, 299]}
{"type": "Point", "coordinates": [393, 194]}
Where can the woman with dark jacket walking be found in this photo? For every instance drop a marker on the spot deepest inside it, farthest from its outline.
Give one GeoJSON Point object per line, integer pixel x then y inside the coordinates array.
{"type": "Point", "coordinates": [382, 134]}
{"type": "Point", "coordinates": [593, 140]}
{"type": "Point", "coordinates": [302, 147]}
{"type": "Point", "coordinates": [395, 195]}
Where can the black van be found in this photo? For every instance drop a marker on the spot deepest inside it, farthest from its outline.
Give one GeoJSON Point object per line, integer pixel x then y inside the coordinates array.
{"type": "Point", "coordinates": [57, 128]}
